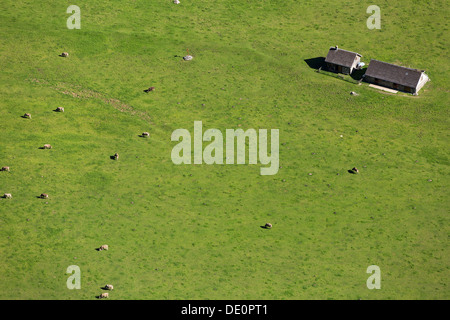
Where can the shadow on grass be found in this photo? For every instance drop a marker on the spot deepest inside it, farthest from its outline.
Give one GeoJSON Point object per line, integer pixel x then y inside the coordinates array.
{"type": "Point", "coordinates": [358, 74]}
{"type": "Point", "coordinates": [316, 63]}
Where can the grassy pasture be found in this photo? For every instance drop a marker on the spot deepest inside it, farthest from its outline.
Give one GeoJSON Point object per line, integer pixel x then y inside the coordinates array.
{"type": "Point", "coordinates": [193, 231]}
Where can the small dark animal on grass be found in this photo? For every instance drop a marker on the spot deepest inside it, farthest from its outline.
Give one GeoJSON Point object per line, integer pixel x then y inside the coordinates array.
{"type": "Point", "coordinates": [353, 170]}
{"type": "Point", "coordinates": [150, 89]}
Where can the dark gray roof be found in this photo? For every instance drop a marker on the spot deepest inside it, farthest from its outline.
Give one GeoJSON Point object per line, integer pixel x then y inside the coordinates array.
{"type": "Point", "coordinates": [341, 57]}
{"type": "Point", "coordinates": [390, 72]}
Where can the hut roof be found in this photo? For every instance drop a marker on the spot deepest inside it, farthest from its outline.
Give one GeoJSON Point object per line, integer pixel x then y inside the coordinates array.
{"type": "Point", "coordinates": [396, 74]}
{"type": "Point", "coordinates": [341, 57]}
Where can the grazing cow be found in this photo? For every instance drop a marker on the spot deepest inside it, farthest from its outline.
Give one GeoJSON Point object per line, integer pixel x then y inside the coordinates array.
{"type": "Point", "coordinates": [176, 1]}
{"type": "Point", "coordinates": [64, 54]}
{"type": "Point", "coordinates": [27, 115]}
{"type": "Point", "coordinates": [5, 169]}
{"type": "Point", "coordinates": [103, 247]}
{"type": "Point", "coordinates": [268, 225]}
{"type": "Point", "coordinates": [109, 287]}
{"type": "Point", "coordinates": [104, 295]}
{"type": "Point", "coordinates": [7, 196]}
{"type": "Point", "coordinates": [43, 196]}
{"type": "Point", "coordinates": [145, 134]}
{"type": "Point", "coordinates": [60, 109]}
{"type": "Point", "coordinates": [47, 146]}
{"type": "Point", "coordinates": [116, 156]}
{"type": "Point", "coordinates": [150, 89]}
{"type": "Point", "coordinates": [355, 169]}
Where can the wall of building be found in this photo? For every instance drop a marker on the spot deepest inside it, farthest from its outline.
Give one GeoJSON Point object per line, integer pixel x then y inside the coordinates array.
{"type": "Point", "coordinates": [423, 79]}
{"type": "Point", "coordinates": [390, 85]}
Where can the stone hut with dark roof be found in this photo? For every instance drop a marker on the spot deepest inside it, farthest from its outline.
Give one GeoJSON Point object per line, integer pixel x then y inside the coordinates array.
{"type": "Point", "coordinates": [343, 61]}
{"type": "Point", "coordinates": [395, 77]}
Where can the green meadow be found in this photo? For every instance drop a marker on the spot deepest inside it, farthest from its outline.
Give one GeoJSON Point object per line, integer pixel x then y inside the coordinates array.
{"type": "Point", "coordinates": [193, 231]}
